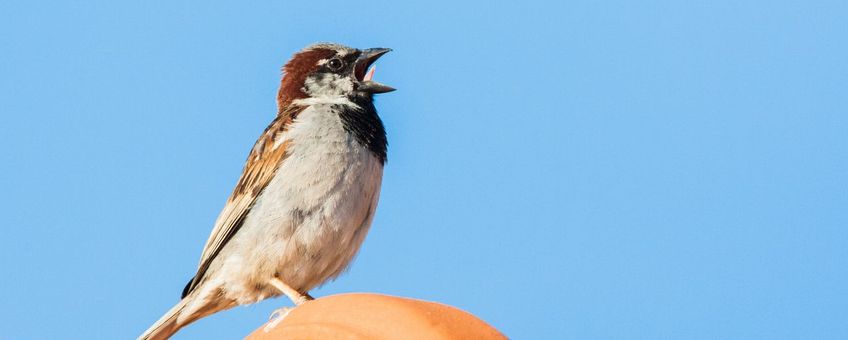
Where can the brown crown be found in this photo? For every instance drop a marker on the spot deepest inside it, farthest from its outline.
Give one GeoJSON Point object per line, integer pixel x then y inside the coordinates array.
{"type": "Point", "coordinates": [295, 72]}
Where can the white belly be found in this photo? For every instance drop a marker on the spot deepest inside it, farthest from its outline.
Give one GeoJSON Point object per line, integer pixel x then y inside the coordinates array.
{"type": "Point", "coordinates": [311, 219]}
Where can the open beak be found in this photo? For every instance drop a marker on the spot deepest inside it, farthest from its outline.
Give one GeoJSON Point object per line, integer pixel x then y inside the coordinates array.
{"type": "Point", "coordinates": [364, 75]}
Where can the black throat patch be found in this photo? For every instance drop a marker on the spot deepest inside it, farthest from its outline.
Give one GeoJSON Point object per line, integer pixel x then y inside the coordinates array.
{"type": "Point", "coordinates": [365, 125]}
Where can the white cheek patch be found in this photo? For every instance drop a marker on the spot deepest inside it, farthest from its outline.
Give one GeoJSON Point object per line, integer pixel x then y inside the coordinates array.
{"type": "Point", "coordinates": [327, 85]}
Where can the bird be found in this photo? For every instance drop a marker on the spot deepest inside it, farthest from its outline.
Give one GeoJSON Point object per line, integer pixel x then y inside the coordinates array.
{"type": "Point", "coordinates": [307, 194]}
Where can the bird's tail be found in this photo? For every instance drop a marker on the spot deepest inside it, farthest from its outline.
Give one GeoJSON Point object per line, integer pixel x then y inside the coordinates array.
{"type": "Point", "coordinates": [167, 325]}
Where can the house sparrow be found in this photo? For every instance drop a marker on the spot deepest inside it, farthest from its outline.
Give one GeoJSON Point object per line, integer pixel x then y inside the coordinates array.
{"type": "Point", "coordinates": [306, 196]}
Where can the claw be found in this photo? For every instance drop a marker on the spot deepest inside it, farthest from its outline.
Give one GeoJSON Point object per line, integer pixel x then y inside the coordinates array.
{"type": "Point", "coordinates": [275, 318]}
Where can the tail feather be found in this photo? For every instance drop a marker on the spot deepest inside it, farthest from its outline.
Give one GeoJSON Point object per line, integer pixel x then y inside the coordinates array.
{"type": "Point", "coordinates": [167, 325]}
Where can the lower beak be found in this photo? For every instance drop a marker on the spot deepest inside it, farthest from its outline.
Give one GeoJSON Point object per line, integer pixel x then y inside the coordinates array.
{"type": "Point", "coordinates": [368, 57]}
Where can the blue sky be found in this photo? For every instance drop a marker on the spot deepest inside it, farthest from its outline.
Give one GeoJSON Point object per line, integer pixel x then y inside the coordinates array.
{"type": "Point", "coordinates": [574, 170]}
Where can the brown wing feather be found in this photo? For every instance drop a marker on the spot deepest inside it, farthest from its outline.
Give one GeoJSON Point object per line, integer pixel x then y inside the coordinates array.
{"type": "Point", "coordinates": [261, 165]}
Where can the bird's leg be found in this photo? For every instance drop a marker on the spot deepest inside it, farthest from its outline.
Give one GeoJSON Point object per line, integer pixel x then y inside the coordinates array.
{"type": "Point", "coordinates": [297, 297]}
{"type": "Point", "coordinates": [278, 315]}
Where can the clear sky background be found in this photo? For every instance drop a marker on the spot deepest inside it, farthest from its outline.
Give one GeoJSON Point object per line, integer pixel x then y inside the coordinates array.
{"type": "Point", "coordinates": [562, 169]}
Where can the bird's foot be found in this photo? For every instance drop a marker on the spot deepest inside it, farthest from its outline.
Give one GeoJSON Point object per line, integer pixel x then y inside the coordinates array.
{"type": "Point", "coordinates": [301, 299]}
{"type": "Point", "coordinates": [276, 317]}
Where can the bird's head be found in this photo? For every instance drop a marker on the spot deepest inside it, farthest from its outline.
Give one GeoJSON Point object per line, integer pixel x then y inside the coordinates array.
{"type": "Point", "coordinates": [330, 71]}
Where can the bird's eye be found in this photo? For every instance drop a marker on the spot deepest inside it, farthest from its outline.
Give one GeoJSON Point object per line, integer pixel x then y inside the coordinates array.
{"type": "Point", "coordinates": [334, 64]}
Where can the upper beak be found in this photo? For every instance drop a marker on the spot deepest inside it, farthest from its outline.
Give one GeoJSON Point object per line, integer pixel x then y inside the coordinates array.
{"type": "Point", "coordinates": [368, 57]}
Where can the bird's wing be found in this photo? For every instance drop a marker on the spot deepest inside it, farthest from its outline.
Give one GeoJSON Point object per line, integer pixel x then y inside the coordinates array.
{"type": "Point", "coordinates": [261, 165]}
